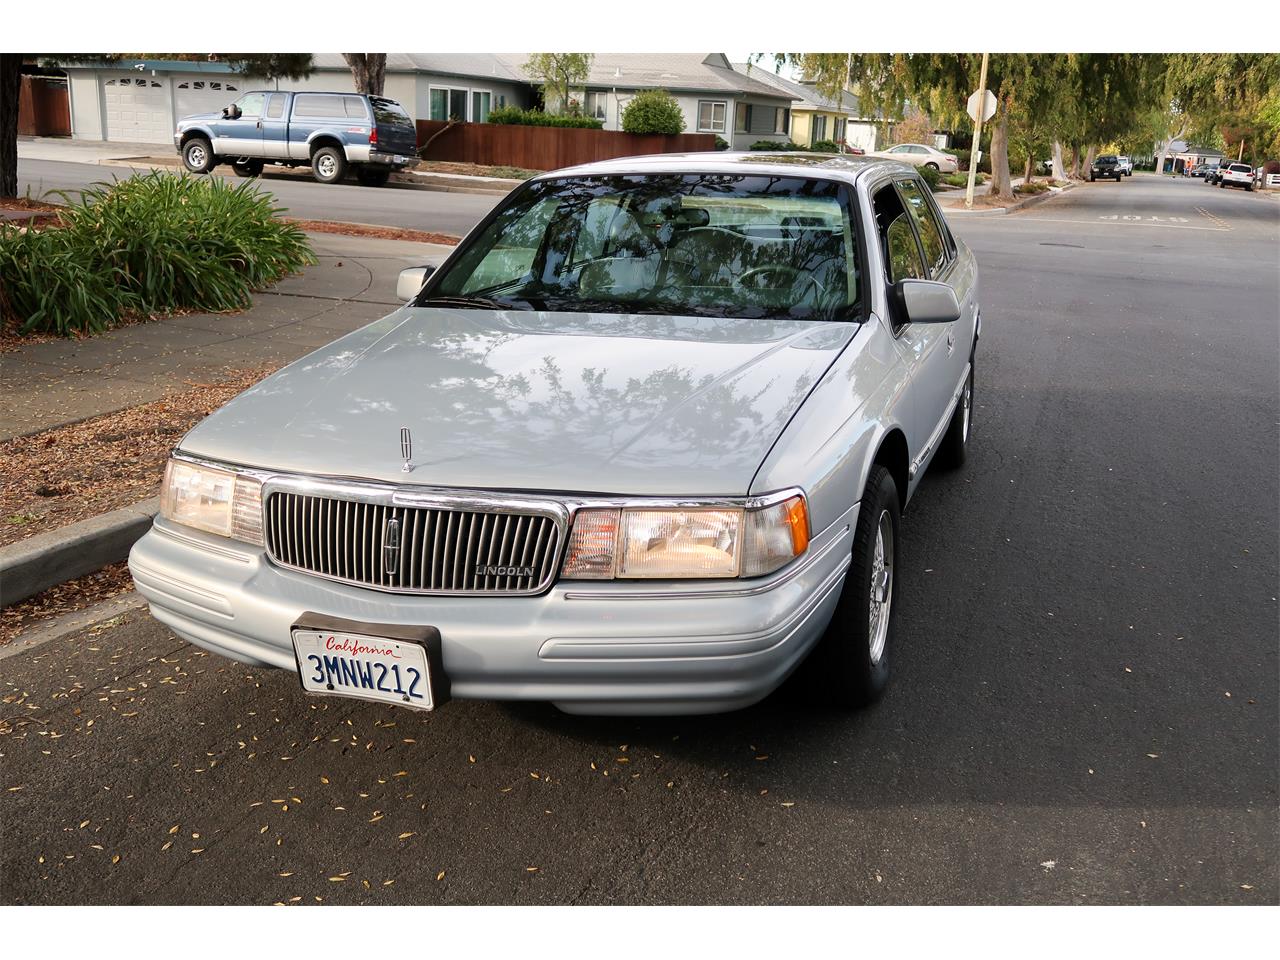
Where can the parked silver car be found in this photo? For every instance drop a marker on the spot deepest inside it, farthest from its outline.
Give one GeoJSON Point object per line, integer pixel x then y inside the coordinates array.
{"type": "Point", "coordinates": [640, 445]}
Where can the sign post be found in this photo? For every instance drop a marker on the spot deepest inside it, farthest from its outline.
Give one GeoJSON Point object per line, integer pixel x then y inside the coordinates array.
{"type": "Point", "coordinates": [982, 106]}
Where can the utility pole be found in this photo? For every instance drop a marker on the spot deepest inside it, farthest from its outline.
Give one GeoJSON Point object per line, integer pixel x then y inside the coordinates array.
{"type": "Point", "coordinates": [977, 136]}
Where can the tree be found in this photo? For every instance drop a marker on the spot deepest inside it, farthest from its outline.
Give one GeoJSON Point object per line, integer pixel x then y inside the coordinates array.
{"type": "Point", "coordinates": [269, 66]}
{"type": "Point", "coordinates": [368, 70]}
{"type": "Point", "coordinates": [558, 73]}
{"type": "Point", "coordinates": [915, 127]}
{"type": "Point", "coordinates": [653, 111]}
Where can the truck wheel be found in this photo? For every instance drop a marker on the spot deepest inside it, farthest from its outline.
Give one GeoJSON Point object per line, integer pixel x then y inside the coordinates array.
{"type": "Point", "coordinates": [328, 165]}
{"type": "Point", "coordinates": [372, 178]}
{"type": "Point", "coordinates": [951, 452]}
{"type": "Point", "coordinates": [1091, 178]}
{"type": "Point", "coordinates": [250, 168]}
{"type": "Point", "coordinates": [197, 155]}
{"type": "Point", "coordinates": [850, 666]}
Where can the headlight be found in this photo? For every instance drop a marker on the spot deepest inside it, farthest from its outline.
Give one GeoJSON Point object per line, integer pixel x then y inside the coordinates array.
{"type": "Point", "coordinates": [218, 501]}
{"type": "Point", "coordinates": [687, 542]}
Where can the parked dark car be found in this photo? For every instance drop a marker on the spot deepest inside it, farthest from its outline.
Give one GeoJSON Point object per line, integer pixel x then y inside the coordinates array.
{"type": "Point", "coordinates": [1213, 175]}
{"type": "Point", "coordinates": [333, 133]}
{"type": "Point", "coordinates": [1106, 166]}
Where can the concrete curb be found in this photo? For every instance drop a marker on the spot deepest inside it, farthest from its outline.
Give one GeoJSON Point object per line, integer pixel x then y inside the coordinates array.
{"type": "Point", "coordinates": [48, 559]}
{"type": "Point", "coordinates": [70, 622]}
{"type": "Point", "coordinates": [1001, 211]}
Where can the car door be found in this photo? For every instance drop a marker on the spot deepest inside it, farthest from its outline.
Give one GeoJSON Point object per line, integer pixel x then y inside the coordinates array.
{"type": "Point", "coordinates": [946, 356]}
{"type": "Point", "coordinates": [242, 136]}
{"type": "Point", "coordinates": [275, 127]}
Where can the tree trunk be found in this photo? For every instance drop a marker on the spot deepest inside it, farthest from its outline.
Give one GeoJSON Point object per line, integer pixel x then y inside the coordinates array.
{"type": "Point", "coordinates": [10, 87]}
{"type": "Point", "coordinates": [1001, 185]}
{"type": "Point", "coordinates": [368, 71]}
{"type": "Point", "coordinates": [1088, 161]}
{"type": "Point", "coordinates": [1074, 173]}
{"type": "Point", "coordinates": [1059, 171]}
{"type": "Point", "coordinates": [1028, 173]}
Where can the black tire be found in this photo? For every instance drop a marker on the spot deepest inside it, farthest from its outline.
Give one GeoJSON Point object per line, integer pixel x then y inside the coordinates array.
{"type": "Point", "coordinates": [955, 442]}
{"type": "Point", "coordinates": [1118, 177]}
{"type": "Point", "coordinates": [198, 156]}
{"type": "Point", "coordinates": [1091, 178]}
{"type": "Point", "coordinates": [250, 168]}
{"type": "Point", "coordinates": [328, 165]}
{"type": "Point", "coordinates": [1222, 184]}
{"type": "Point", "coordinates": [1249, 187]}
{"type": "Point", "coordinates": [841, 670]}
{"type": "Point", "coordinates": [931, 165]}
{"type": "Point", "coordinates": [372, 177]}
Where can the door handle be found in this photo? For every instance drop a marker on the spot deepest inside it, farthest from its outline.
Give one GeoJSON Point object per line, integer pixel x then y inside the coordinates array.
{"type": "Point", "coordinates": [259, 124]}
{"type": "Point", "coordinates": [951, 341]}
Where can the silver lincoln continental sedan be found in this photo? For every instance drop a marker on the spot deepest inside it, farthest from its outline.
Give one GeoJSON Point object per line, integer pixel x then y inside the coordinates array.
{"type": "Point", "coordinates": [640, 445]}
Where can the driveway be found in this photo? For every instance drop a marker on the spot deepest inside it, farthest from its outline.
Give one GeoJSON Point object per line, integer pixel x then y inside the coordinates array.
{"type": "Point", "coordinates": [1085, 707]}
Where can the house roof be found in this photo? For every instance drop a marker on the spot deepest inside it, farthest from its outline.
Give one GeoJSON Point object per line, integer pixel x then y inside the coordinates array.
{"type": "Point", "coordinates": [807, 93]}
{"type": "Point", "coordinates": [701, 72]}
{"type": "Point", "coordinates": [491, 65]}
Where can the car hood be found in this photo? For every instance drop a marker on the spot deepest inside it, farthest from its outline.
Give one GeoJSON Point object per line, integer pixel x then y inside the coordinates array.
{"type": "Point", "coordinates": [582, 402]}
{"type": "Point", "coordinates": [199, 118]}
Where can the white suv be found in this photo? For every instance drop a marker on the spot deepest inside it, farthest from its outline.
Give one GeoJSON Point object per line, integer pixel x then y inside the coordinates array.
{"type": "Point", "coordinates": [1237, 175]}
{"type": "Point", "coordinates": [1126, 165]}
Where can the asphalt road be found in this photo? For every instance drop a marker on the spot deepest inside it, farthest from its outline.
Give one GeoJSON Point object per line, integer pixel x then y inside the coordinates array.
{"type": "Point", "coordinates": [1085, 705]}
{"type": "Point", "coordinates": [392, 205]}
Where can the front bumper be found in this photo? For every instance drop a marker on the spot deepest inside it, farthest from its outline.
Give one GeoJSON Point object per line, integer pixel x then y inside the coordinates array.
{"type": "Point", "coordinates": [589, 647]}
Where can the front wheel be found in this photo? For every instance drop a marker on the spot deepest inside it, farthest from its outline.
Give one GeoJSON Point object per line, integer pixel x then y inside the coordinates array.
{"type": "Point", "coordinates": [850, 667]}
{"type": "Point", "coordinates": [931, 165]}
{"type": "Point", "coordinates": [328, 165]}
{"type": "Point", "coordinates": [1091, 178]}
{"type": "Point", "coordinates": [248, 168]}
{"type": "Point", "coordinates": [197, 155]}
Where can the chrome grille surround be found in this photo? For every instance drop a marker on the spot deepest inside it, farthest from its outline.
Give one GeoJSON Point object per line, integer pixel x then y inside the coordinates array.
{"type": "Point", "coordinates": [451, 543]}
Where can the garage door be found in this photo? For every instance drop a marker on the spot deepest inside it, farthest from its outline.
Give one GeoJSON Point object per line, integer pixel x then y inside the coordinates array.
{"type": "Point", "coordinates": [137, 109]}
{"type": "Point", "coordinates": [191, 95]}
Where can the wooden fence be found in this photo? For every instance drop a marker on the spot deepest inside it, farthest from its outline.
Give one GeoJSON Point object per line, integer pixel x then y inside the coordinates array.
{"type": "Point", "coordinates": [547, 148]}
{"type": "Point", "coordinates": [44, 108]}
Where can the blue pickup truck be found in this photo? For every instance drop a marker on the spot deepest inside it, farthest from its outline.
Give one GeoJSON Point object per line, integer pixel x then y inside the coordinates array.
{"type": "Point", "coordinates": [333, 133]}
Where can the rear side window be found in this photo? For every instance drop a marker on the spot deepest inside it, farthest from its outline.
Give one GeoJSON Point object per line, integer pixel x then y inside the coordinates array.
{"type": "Point", "coordinates": [935, 250]}
{"type": "Point", "coordinates": [275, 106]}
{"type": "Point", "coordinates": [388, 111]}
{"type": "Point", "coordinates": [318, 105]}
{"type": "Point", "coordinates": [355, 108]}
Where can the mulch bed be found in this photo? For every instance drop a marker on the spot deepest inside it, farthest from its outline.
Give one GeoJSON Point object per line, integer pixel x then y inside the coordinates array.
{"type": "Point", "coordinates": [70, 473]}
{"type": "Point", "coordinates": [110, 581]}
{"type": "Point", "coordinates": [370, 230]}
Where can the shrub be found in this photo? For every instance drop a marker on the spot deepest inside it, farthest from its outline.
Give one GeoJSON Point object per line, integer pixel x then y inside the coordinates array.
{"type": "Point", "coordinates": [653, 111]}
{"type": "Point", "coordinates": [721, 143]}
{"type": "Point", "coordinates": [825, 146]}
{"type": "Point", "coordinates": [774, 146]}
{"type": "Point", "coordinates": [536, 118]}
{"type": "Point", "coordinates": [152, 244]}
{"type": "Point", "coordinates": [1031, 188]}
{"type": "Point", "coordinates": [930, 176]}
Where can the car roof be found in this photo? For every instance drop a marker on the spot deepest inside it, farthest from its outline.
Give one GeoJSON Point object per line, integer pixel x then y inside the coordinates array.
{"type": "Point", "coordinates": [323, 93]}
{"type": "Point", "coordinates": [828, 166]}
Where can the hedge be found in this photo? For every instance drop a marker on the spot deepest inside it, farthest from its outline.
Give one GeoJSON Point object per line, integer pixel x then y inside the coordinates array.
{"type": "Point", "coordinates": [536, 118]}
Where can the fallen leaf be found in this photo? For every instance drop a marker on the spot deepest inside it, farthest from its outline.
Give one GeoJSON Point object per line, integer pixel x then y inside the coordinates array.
{"type": "Point", "coordinates": [407, 835]}
{"type": "Point", "coordinates": [439, 876]}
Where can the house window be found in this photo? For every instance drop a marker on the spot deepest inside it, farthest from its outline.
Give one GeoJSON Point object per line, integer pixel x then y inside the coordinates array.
{"type": "Point", "coordinates": [818, 129]}
{"type": "Point", "coordinates": [741, 117]}
{"type": "Point", "coordinates": [597, 105]}
{"type": "Point", "coordinates": [841, 125]}
{"type": "Point", "coordinates": [781, 120]}
{"type": "Point", "coordinates": [480, 101]}
{"type": "Point", "coordinates": [711, 114]}
{"type": "Point", "coordinates": [448, 103]}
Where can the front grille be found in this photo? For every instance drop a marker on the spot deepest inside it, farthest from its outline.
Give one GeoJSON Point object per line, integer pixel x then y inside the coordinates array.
{"type": "Point", "coordinates": [412, 549]}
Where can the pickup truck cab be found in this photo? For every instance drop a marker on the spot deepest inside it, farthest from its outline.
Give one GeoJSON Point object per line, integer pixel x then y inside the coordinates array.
{"type": "Point", "coordinates": [332, 133]}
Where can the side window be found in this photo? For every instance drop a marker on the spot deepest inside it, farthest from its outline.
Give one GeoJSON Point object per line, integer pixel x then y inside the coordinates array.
{"type": "Point", "coordinates": [318, 105]}
{"type": "Point", "coordinates": [935, 250]}
{"type": "Point", "coordinates": [275, 106]}
{"type": "Point", "coordinates": [251, 105]}
{"type": "Point", "coordinates": [355, 108]}
{"type": "Point", "coordinates": [897, 239]}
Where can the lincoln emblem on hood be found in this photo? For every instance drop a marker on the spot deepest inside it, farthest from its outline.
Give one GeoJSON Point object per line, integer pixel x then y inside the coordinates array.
{"type": "Point", "coordinates": [406, 448]}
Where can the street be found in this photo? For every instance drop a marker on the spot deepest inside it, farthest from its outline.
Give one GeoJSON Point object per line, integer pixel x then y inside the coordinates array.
{"type": "Point", "coordinates": [1084, 707]}
{"type": "Point", "coordinates": [391, 205]}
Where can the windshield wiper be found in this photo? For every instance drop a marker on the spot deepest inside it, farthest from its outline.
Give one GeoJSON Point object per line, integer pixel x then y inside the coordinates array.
{"type": "Point", "coordinates": [484, 303]}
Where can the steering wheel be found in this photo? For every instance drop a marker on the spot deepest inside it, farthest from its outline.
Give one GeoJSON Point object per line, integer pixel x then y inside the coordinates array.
{"type": "Point", "coordinates": [791, 273]}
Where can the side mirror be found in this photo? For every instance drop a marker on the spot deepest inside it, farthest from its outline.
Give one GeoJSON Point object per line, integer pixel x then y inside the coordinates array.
{"type": "Point", "coordinates": [926, 301]}
{"type": "Point", "coordinates": [409, 284]}
{"type": "Point", "coordinates": [231, 112]}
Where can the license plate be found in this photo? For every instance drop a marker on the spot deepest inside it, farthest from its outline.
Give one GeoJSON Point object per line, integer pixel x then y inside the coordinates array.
{"type": "Point", "coordinates": [364, 667]}
{"type": "Point", "coordinates": [400, 159]}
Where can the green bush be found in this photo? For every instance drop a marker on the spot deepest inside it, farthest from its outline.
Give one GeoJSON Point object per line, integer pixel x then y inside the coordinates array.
{"type": "Point", "coordinates": [721, 143]}
{"type": "Point", "coordinates": [930, 175]}
{"type": "Point", "coordinates": [536, 118]}
{"type": "Point", "coordinates": [774, 146]}
{"type": "Point", "coordinates": [825, 146]}
{"type": "Point", "coordinates": [152, 244]}
{"type": "Point", "coordinates": [653, 111]}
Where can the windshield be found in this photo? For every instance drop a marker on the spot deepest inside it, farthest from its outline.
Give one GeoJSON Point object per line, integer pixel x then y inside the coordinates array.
{"type": "Point", "coordinates": [723, 245]}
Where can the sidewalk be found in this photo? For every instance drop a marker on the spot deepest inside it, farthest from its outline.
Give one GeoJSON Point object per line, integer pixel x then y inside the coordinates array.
{"type": "Point", "coordinates": [44, 385]}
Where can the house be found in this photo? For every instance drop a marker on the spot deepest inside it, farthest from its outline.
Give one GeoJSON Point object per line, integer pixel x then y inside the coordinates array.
{"type": "Point", "coordinates": [815, 116]}
{"type": "Point", "coordinates": [1183, 156]}
{"type": "Point", "coordinates": [140, 101]}
{"type": "Point", "coordinates": [713, 96]}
